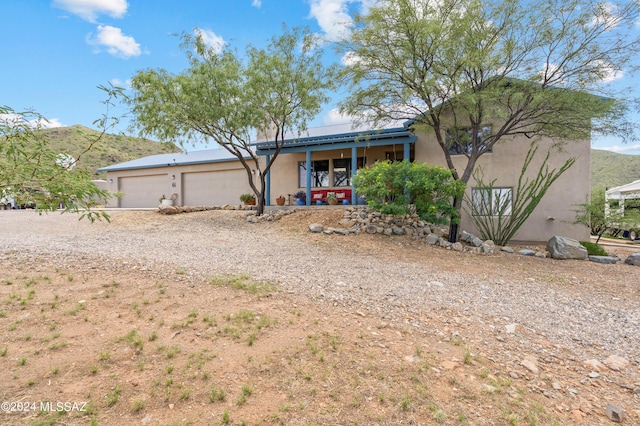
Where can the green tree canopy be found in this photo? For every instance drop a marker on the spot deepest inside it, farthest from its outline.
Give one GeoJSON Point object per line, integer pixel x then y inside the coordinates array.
{"type": "Point", "coordinates": [538, 69]}
{"type": "Point", "coordinates": [224, 99]}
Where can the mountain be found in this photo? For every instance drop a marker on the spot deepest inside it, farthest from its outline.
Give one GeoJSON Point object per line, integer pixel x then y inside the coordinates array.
{"type": "Point", "coordinates": [609, 169]}
{"type": "Point", "coordinates": [110, 149]}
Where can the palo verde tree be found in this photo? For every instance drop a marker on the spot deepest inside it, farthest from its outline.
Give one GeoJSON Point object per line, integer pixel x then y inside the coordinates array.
{"type": "Point", "coordinates": [224, 99]}
{"type": "Point", "coordinates": [538, 69]}
{"type": "Point", "coordinates": [34, 174]}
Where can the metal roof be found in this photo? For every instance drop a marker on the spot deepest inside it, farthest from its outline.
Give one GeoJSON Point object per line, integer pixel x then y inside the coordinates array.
{"type": "Point", "coordinates": [340, 136]}
{"type": "Point", "coordinates": [317, 139]}
{"type": "Point", "coordinates": [174, 159]}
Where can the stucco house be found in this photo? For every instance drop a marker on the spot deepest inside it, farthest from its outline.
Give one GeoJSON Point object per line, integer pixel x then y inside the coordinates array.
{"type": "Point", "coordinates": [325, 158]}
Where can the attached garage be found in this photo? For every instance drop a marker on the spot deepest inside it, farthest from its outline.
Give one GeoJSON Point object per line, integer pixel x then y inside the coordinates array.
{"type": "Point", "coordinates": [197, 178]}
{"type": "Point", "coordinates": [213, 187]}
{"type": "Point", "coordinates": [141, 191]}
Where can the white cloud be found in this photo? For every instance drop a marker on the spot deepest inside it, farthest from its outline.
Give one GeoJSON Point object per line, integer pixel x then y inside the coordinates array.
{"type": "Point", "coordinates": [332, 16]}
{"type": "Point", "coordinates": [609, 72]}
{"type": "Point", "coordinates": [350, 58]}
{"type": "Point", "coordinates": [119, 83]}
{"type": "Point", "coordinates": [117, 44]}
{"type": "Point", "coordinates": [37, 123]}
{"type": "Point", "coordinates": [336, 117]}
{"type": "Point", "coordinates": [620, 149]}
{"type": "Point", "coordinates": [606, 14]}
{"type": "Point", "coordinates": [256, 3]}
{"type": "Point", "coordinates": [90, 9]}
{"type": "Point", "coordinates": [212, 40]}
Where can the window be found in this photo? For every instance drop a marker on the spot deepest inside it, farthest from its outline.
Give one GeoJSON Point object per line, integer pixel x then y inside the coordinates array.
{"type": "Point", "coordinates": [319, 174]}
{"type": "Point", "coordinates": [491, 201]}
{"type": "Point", "coordinates": [342, 172]}
{"type": "Point", "coordinates": [459, 140]}
{"type": "Point", "coordinates": [399, 155]}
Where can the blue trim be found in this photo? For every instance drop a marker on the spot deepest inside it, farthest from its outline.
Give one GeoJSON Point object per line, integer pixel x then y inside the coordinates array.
{"type": "Point", "coordinates": [344, 145]}
{"type": "Point", "coordinates": [354, 169]}
{"type": "Point", "coordinates": [340, 141]}
{"type": "Point", "coordinates": [308, 159]}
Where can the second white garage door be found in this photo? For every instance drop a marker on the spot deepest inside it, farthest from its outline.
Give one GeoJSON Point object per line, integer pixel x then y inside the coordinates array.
{"type": "Point", "coordinates": [214, 188]}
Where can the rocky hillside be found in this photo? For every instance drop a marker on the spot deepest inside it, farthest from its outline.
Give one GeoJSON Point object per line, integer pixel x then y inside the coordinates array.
{"type": "Point", "coordinates": [609, 169]}
{"type": "Point", "coordinates": [110, 148]}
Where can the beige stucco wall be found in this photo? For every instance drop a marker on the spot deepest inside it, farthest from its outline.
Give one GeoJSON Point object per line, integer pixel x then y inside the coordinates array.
{"type": "Point", "coordinates": [556, 212]}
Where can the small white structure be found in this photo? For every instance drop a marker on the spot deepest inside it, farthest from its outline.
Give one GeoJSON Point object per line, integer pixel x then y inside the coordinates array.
{"type": "Point", "coordinates": [630, 191]}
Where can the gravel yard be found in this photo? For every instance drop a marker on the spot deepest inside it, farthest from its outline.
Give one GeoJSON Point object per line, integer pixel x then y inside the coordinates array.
{"type": "Point", "coordinates": [506, 306]}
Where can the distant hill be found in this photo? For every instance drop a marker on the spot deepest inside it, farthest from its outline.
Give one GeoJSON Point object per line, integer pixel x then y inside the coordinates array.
{"type": "Point", "coordinates": [609, 169]}
{"type": "Point", "coordinates": [111, 149]}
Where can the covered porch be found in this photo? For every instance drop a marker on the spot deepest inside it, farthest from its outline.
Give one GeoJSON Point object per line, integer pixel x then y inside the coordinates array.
{"type": "Point", "coordinates": [319, 164]}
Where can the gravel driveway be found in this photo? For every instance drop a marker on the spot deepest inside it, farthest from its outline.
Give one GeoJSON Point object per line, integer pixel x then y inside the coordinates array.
{"type": "Point", "coordinates": [588, 308]}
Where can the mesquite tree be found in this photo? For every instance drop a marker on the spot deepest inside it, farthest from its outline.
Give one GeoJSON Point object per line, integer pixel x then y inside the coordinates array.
{"type": "Point", "coordinates": [223, 97]}
{"type": "Point", "coordinates": [538, 69]}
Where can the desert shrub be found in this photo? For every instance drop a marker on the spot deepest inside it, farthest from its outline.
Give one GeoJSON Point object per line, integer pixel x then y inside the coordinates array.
{"type": "Point", "coordinates": [594, 249]}
{"type": "Point", "coordinates": [392, 187]}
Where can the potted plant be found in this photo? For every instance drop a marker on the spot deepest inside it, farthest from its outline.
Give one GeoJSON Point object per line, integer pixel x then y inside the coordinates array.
{"type": "Point", "coordinates": [332, 199]}
{"type": "Point", "coordinates": [280, 200]}
{"type": "Point", "coordinates": [301, 198]}
{"type": "Point", "coordinates": [248, 199]}
{"type": "Point", "coordinates": [165, 201]}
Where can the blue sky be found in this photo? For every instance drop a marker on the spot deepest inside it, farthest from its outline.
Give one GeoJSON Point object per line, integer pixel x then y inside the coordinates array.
{"type": "Point", "coordinates": [56, 52]}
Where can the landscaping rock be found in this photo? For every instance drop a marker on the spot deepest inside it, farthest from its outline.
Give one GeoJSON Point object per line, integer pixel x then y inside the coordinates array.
{"type": "Point", "coordinates": [527, 252]}
{"type": "Point", "coordinates": [603, 259]}
{"type": "Point", "coordinates": [471, 239]}
{"type": "Point", "coordinates": [633, 259]}
{"type": "Point", "coordinates": [432, 239]}
{"type": "Point", "coordinates": [316, 227]}
{"type": "Point", "coordinates": [615, 413]}
{"type": "Point", "coordinates": [566, 248]}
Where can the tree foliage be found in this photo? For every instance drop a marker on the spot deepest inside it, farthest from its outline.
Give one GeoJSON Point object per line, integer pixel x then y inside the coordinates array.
{"type": "Point", "coordinates": [533, 69]}
{"type": "Point", "coordinates": [499, 220]}
{"type": "Point", "coordinates": [223, 99]}
{"type": "Point", "coordinates": [391, 187]}
{"type": "Point", "coordinates": [35, 175]}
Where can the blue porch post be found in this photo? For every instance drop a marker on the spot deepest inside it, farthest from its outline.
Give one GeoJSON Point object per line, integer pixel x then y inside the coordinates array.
{"type": "Point", "coordinates": [407, 157]}
{"type": "Point", "coordinates": [268, 194]}
{"type": "Point", "coordinates": [308, 178]}
{"type": "Point", "coordinates": [354, 169]}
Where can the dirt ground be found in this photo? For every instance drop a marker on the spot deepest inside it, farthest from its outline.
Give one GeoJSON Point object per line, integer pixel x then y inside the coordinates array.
{"type": "Point", "coordinates": [87, 344]}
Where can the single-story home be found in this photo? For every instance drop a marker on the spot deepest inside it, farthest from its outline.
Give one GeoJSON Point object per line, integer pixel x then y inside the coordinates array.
{"type": "Point", "coordinates": [325, 158]}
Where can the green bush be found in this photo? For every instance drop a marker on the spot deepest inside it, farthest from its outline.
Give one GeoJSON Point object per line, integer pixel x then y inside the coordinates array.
{"type": "Point", "coordinates": [594, 249]}
{"type": "Point", "coordinates": [391, 187]}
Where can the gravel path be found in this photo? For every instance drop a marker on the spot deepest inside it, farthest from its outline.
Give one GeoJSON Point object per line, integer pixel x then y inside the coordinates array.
{"type": "Point", "coordinates": [587, 308]}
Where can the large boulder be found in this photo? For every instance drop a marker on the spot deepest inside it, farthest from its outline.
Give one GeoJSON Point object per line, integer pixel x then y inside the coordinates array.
{"type": "Point", "coordinates": [566, 248]}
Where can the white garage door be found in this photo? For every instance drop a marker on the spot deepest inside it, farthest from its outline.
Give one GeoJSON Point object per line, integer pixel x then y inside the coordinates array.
{"type": "Point", "coordinates": [142, 191]}
{"type": "Point", "coordinates": [214, 188]}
